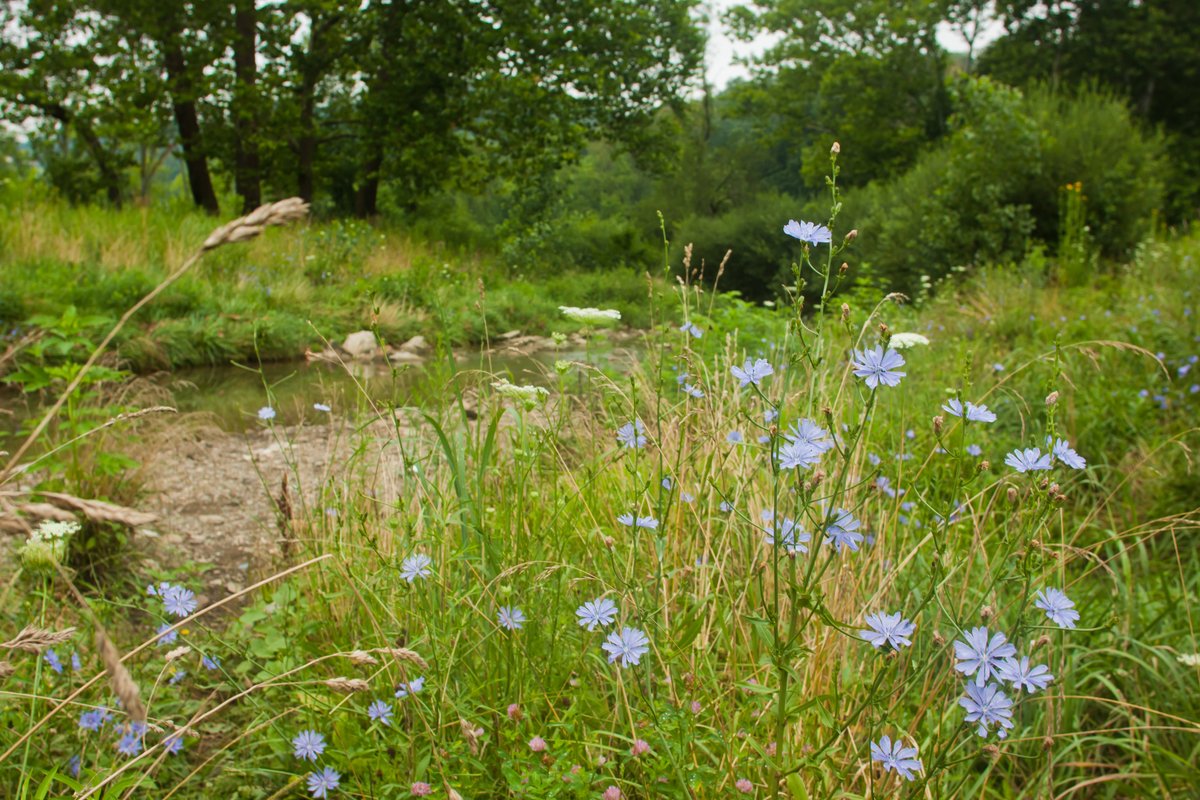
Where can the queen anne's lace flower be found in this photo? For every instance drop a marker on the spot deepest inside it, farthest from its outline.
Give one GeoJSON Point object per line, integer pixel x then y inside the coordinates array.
{"type": "Point", "coordinates": [590, 316]}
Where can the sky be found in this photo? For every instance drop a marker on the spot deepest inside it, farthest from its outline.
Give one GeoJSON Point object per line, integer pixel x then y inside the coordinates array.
{"type": "Point", "coordinates": [724, 50]}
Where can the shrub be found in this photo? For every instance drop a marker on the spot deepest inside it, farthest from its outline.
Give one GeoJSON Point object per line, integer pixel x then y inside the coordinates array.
{"type": "Point", "coordinates": [991, 188]}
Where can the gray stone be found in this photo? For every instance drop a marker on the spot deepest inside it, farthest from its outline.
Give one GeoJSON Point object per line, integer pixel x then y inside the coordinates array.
{"type": "Point", "coordinates": [361, 344]}
{"type": "Point", "coordinates": [416, 344]}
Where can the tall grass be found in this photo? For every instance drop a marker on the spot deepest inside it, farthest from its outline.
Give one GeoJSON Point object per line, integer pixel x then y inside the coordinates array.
{"type": "Point", "coordinates": [756, 680]}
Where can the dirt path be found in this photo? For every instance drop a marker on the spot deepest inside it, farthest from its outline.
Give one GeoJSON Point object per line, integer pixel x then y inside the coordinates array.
{"type": "Point", "coordinates": [217, 495]}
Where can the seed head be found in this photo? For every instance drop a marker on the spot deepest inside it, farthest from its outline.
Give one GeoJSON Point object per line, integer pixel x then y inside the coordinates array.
{"type": "Point", "coordinates": [837, 148]}
{"type": "Point", "coordinates": [347, 685]}
{"type": "Point", "coordinates": [1052, 398]}
{"type": "Point", "coordinates": [938, 422]}
{"type": "Point", "coordinates": [34, 640]}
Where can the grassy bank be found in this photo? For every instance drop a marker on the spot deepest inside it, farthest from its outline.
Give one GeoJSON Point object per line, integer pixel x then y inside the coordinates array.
{"type": "Point", "coordinates": [428, 640]}
{"type": "Point", "coordinates": [277, 295]}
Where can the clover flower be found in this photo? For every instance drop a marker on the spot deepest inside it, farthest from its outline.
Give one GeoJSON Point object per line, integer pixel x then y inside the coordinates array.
{"type": "Point", "coordinates": [973, 413]}
{"type": "Point", "coordinates": [632, 435]}
{"type": "Point", "coordinates": [981, 656]}
{"type": "Point", "coordinates": [416, 566]}
{"type": "Point", "coordinates": [627, 646]}
{"type": "Point", "coordinates": [320, 784]}
{"type": "Point", "coordinates": [1020, 675]}
{"type": "Point", "coordinates": [421, 789]}
{"type": "Point", "coordinates": [1063, 452]}
{"type": "Point", "coordinates": [537, 744]}
{"type": "Point", "coordinates": [843, 531]}
{"type": "Point", "coordinates": [308, 745]}
{"type": "Point", "coordinates": [510, 618]}
{"type": "Point", "coordinates": [809, 232]}
{"type": "Point", "coordinates": [743, 785]}
{"type": "Point", "coordinates": [752, 372]}
{"type": "Point", "coordinates": [599, 612]}
{"type": "Point", "coordinates": [895, 756]}
{"type": "Point", "coordinates": [380, 711]}
{"type": "Point", "coordinates": [889, 629]}
{"type": "Point", "coordinates": [1058, 607]}
{"type": "Point", "coordinates": [1028, 460]}
{"type": "Point", "coordinates": [988, 705]}
{"type": "Point", "coordinates": [878, 366]}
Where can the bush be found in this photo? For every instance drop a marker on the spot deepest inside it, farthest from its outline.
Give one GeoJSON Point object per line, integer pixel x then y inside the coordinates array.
{"type": "Point", "coordinates": [762, 256]}
{"type": "Point", "coordinates": [992, 187]}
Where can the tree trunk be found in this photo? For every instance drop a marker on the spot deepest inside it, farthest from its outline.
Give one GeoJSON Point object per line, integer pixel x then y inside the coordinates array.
{"type": "Point", "coordinates": [109, 175]}
{"type": "Point", "coordinates": [183, 101]}
{"type": "Point", "coordinates": [247, 172]}
{"type": "Point", "coordinates": [366, 198]}
{"type": "Point", "coordinates": [306, 149]}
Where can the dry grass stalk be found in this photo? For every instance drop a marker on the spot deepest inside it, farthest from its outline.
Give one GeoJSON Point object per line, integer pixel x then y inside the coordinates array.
{"type": "Point", "coordinates": [35, 640]}
{"type": "Point", "coordinates": [403, 654]}
{"type": "Point", "coordinates": [472, 734]}
{"type": "Point", "coordinates": [248, 227]}
{"type": "Point", "coordinates": [347, 685]}
{"type": "Point", "coordinates": [6, 669]}
{"type": "Point", "coordinates": [362, 658]}
{"type": "Point", "coordinates": [120, 679]}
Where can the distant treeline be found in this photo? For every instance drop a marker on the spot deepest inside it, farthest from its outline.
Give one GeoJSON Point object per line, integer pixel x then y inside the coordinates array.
{"type": "Point", "coordinates": [552, 132]}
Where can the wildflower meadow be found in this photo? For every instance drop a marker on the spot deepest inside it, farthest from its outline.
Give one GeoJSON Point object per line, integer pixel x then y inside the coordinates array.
{"type": "Point", "coordinates": [866, 545]}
